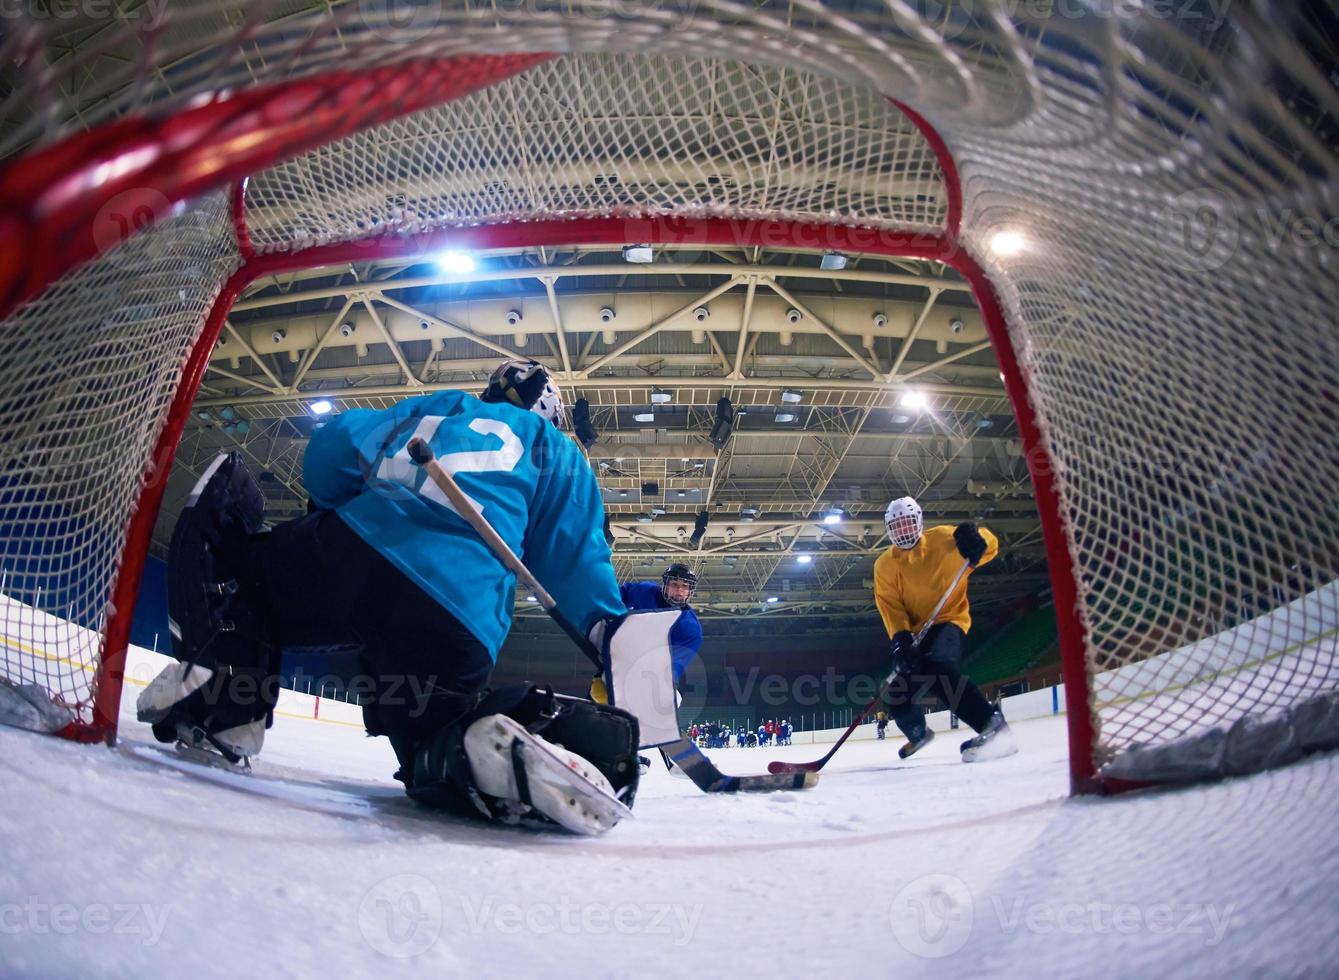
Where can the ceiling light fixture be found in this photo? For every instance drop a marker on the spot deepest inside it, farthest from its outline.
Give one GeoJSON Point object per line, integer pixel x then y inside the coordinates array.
{"type": "Point", "coordinates": [455, 262]}
{"type": "Point", "coordinates": [915, 400]}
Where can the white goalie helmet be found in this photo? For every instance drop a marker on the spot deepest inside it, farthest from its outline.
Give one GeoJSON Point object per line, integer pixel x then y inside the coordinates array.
{"type": "Point", "coordinates": [905, 522]}
{"type": "Point", "coordinates": [526, 384]}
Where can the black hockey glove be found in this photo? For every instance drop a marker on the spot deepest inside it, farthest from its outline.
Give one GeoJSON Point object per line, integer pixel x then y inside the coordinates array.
{"type": "Point", "coordinates": [904, 652]}
{"type": "Point", "coordinates": [969, 541]}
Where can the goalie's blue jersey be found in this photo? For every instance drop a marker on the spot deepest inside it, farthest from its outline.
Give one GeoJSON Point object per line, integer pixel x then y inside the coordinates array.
{"type": "Point", "coordinates": [534, 486]}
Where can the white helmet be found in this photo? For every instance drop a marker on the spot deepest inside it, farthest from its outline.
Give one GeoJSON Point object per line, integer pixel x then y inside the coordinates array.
{"type": "Point", "coordinates": [904, 521]}
{"type": "Point", "coordinates": [526, 384]}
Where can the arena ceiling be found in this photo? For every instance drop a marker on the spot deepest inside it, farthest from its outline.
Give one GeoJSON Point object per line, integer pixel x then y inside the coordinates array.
{"type": "Point", "coordinates": [850, 386]}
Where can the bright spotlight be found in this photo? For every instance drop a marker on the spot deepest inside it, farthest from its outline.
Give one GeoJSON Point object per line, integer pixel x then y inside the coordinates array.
{"type": "Point", "coordinates": [455, 262]}
{"type": "Point", "coordinates": [773, 598]}
{"type": "Point", "coordinates": [322, 406]}
{"type": "Point", "coordinates": [1006, 243]}
{"type": "Point", "coordinates": [804, 559]}
{"type": "Point", "coordinates": [915, 400]}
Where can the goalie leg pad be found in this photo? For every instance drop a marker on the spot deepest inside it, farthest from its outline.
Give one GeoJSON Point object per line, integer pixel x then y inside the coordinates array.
{"type": "Point", "coordinates": [215, 601]}
{"type": "Point", "coordinates": [227, 708]}
{"type": "Point", "coordinates": [515, 766]}
{"type": "Point", "coordinates": [225, 688]}
{"type": "Point", "coordinates": [443, 776]}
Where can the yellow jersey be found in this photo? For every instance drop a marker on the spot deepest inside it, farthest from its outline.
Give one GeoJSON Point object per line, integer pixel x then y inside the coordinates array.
{"type": "Point", "coordinates": [908, 584]}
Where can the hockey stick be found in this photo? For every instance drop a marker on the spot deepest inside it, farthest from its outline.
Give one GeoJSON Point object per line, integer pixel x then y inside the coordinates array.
{"type": "Point", "coordinates": [685, 754]}
{"type": "Point", "coordinates": [779, 767]}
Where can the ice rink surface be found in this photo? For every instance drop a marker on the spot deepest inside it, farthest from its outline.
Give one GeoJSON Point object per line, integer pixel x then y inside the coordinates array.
{"type": "Point", "coordinates": [117, 864]}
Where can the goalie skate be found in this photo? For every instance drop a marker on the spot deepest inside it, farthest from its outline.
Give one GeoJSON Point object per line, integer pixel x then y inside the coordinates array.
{"type": "Point", "coordinates": [511, 763]}
{"type": "Point", "coordinates": [195, 745]}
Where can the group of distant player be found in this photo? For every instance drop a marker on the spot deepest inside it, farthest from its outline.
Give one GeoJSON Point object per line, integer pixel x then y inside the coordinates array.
{"type": "Point", "coordinates": [719, 735]}
{"type": "Point", "coordinates": [383, 562]}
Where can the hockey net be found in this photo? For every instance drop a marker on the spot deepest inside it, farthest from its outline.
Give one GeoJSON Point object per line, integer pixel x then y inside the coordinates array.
{"type": "Point", "coordinates": [1141, 198]}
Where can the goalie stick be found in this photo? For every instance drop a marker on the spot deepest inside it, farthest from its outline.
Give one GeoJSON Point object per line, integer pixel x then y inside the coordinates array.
{"type": "Point", "coordinates": [685, 754]}
{"type": "Point", "coordinates": [777, 767]}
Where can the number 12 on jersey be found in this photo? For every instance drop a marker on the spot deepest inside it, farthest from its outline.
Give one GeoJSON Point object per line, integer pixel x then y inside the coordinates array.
{"type": "Point", "coordinates": [402, 470]}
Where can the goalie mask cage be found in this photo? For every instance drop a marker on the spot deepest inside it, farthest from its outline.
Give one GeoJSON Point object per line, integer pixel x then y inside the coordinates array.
{"type": "Point", "coordinates": [1141, 199]}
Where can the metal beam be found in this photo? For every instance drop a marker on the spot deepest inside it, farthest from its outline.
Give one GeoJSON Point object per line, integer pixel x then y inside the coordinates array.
{"type": "Point", "coordinates": [454, 329]}
{"type": "Point", "coordinates": [659, 325]}
{"type": "Point", "coordinates": [315, 350]}
{"type": "Point", "coordinates": [744, 326]}
{"type": "Point", "coordinates": [236, 335]}
{"type": "Point", "coordinates": [826, 327]}
{"type": "Point", "coordinates": [390, 341]}
{"type": "Point", "coordinates": [240, 379]}
{"type": "Point", "coordinates": [956, 356]}
{"type": "Point", "coordinates": [715, 387]}
{"type": "Point", "coordinates": [622, 269]}
{"type": "Point", "coordinates": [910, 338]}
{"type": "Point", "coordinates": [548, 282]}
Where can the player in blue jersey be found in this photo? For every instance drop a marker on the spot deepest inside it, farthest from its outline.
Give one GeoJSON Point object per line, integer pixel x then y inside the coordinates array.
{"type": "Point", "coordinates": [385, 564]}
{"type": "Point", "coordinates": [673, 591]}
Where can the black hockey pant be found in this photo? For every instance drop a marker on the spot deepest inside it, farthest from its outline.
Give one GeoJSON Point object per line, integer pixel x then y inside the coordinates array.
{"type": "Point", "coordinates": [934, 672]}
{"type": "Point", "coordinates": [326, 587]}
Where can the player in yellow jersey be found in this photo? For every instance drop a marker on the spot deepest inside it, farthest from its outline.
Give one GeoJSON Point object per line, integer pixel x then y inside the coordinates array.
{"type": "Point", "coordinates": [909, 579]}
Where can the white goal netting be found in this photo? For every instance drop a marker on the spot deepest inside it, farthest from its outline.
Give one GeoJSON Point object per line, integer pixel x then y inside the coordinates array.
{"type": "Point", "coordinates": [1150, 191]}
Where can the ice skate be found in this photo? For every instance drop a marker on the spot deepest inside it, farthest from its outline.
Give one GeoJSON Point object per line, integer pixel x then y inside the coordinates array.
{"type": "Point", "coordinates": [195, 744]}
{"type": "Point", "coordinates": [914, 745]}
{"type": "Point", "coordinates": [995, 741]}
